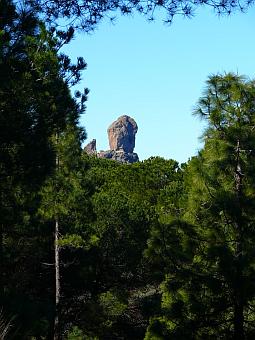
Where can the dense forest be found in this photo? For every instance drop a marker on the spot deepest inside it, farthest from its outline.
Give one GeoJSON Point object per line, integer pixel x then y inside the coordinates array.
{"type": "Point", "coordinates": [94, 249]}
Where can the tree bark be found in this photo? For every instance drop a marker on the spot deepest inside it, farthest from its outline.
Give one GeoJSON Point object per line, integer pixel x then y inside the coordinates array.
{"type": "Point", "coordinates": [238, 284]}
{"type": "Point", "coordinates": [57, 333]}
{"type": "Point", "coordinates": [57, 321]}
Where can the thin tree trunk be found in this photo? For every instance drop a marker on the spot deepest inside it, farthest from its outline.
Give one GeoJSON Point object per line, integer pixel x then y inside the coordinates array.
{"type": "Point", "coordinates": [238, 291]}
{"type": "Point", "coordinates": [57, 333]}
{"type": "Point", "coordinates": [57, 321]}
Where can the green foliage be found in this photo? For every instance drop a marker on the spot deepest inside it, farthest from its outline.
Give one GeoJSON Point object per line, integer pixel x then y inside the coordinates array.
{"type": "Point", "coordinates": [76, 334]}
{"type": "Point", "coordinates": [125, 204]}
{"type": "Point", "coordinates": [65, 194]}
{"type": "Point", "coordinates": [35, 105]}
{"type": "Point", "coordinates": [208, 288]}
{"type": "Point", "coordinates": [86, 16]}
{"type": "Point", "coordinates": [112, 305]}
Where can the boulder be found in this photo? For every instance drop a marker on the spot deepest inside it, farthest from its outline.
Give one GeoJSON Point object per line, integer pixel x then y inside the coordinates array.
{"type": "Point", "coordinates": [121, 134]}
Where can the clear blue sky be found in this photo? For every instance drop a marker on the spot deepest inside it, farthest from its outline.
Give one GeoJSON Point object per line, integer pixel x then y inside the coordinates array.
{"type": "Point", "coordinates": [156, 73]}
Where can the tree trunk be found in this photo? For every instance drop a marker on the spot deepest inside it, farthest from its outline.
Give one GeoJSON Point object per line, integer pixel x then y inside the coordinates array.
{"type": "Point", "coordinates": [238, 284]}
{"type": "Point", "coordinates": [57, 321]}
{"type": "Point", "coordinates": [57, 332]}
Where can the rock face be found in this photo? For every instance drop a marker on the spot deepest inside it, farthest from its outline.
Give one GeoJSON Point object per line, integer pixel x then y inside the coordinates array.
{"type": "Point", "coordinates": [120, 156]}
{"type": "Point", "coordinates": [121, 135]}
{"type": "Point", "coordinates": [91, 148]}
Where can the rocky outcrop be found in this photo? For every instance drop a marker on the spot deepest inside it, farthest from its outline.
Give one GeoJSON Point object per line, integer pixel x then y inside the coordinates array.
{"type": "Point", "coordinates": [91, 148]}
{"type": "Point", "coordinates": [121, 135]}
{"type": "Point", "coordinates": [120, 156]}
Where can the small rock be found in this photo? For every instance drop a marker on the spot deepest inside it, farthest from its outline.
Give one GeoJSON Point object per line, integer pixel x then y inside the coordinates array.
{"type": "Point", "coordinates": [91, 148]}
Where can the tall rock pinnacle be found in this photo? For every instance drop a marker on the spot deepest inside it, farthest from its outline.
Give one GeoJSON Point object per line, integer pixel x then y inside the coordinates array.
{"type": "Point", "coordinates": [121, 134]}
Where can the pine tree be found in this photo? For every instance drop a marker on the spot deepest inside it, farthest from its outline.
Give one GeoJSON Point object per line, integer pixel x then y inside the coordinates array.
{"type": "Point", "coordinates": [65, 203]}
{"type": "Point", "coordinates": [35, 105]}
{"type": "Point", "coordinates": [227, 172]}
{"type": "Point", "coordinates": [87, 14]}
{"type": "Point", "coordinates": [212, 296]}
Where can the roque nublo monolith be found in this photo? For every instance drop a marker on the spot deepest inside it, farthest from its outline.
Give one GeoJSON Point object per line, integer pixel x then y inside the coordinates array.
{"type": "Point", "coordinates": [121, 134]}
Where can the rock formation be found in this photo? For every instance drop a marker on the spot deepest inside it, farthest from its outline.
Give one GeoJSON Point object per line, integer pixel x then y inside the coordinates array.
{"type": "Point", "coordinates": [91, 148]}
{"type": "Point", "coordinates": [121, 135]}
{"type": "Point", "coordinates": [119, 155]}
